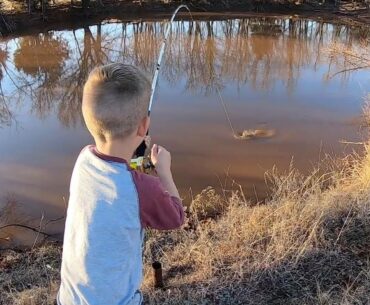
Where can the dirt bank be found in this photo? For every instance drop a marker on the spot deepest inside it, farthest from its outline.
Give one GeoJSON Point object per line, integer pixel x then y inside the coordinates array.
{"type": "Point", "coordinates": [17, 21]}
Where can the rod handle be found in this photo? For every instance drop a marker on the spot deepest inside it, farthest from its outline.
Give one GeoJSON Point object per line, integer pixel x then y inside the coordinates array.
{"type": "Point", "coordinates": [157, 273]}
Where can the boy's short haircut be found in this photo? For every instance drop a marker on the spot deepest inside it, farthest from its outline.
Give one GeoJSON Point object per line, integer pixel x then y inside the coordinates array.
{"type": "Point", "coordinates": [115, 99]}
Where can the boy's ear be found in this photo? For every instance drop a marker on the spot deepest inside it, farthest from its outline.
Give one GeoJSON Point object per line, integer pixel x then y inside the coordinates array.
{"type": "Point", "coordinates": [143, 127]}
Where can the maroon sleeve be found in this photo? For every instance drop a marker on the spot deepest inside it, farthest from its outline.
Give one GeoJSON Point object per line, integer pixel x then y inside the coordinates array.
{"type": "Point", "coordinates": [158, 209]}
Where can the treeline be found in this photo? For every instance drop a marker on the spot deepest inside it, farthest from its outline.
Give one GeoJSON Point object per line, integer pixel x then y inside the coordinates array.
{"type": "Point", "coordinates": [32, 6]}
{"type": "Point", "coordinates": [24, 15]}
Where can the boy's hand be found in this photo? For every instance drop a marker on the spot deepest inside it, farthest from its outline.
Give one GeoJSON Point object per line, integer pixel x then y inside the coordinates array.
{"type": "Point", "coordinates": [147, 140]}
{"type": "Point", "coordinates": [161, 159]}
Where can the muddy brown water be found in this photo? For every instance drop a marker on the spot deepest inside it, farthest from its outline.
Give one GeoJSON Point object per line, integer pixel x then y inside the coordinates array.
{"type": "Point", "coordinates": [273, 74]}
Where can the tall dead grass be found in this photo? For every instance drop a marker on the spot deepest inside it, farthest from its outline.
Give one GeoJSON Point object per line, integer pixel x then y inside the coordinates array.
{"type": "Point", "coordinates": [308, 244]}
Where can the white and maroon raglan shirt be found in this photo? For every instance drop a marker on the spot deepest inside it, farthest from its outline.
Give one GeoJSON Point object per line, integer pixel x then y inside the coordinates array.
{"type": "Point", "coordinates": [109, 207]}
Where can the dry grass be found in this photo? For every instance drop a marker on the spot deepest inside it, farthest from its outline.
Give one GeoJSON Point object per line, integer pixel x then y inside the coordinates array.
{"type": "Point", "coordinates": [309, 244]}
{"type": "Point", "coordinates": [29, 277]}
{"type": "Point", "coordinates": [12, 6]}
{"type": "Point", "coordinates": [18, 6]}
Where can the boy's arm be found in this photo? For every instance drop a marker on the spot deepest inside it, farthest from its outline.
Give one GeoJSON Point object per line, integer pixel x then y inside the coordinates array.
{"type": "Point", "coordinates": [160, 204]}
{"type": "Point", "coordinates": [169, 184]}
{"type": "Point", "coordinates": [161, 159]}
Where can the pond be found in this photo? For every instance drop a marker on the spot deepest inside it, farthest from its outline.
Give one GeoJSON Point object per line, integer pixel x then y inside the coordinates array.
{"type": "Point", "coordinates": [273, 74]}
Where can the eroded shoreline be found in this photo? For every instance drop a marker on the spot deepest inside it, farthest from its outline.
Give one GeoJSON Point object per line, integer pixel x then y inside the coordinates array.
{"type": "Point", "coordinates": [64, 17]}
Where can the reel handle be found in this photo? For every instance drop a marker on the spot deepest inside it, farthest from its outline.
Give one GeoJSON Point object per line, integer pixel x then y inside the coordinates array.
{"type": "Point", "coordinates": [143, 164]}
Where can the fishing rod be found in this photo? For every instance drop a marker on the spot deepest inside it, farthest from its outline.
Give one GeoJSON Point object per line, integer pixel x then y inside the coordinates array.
{"type": "Point", "coordinates": [160, 57]}
{"type": "Point", "coordinates": [138, 162]}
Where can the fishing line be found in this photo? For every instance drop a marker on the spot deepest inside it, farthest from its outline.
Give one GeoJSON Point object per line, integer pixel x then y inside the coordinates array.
{"type": "Point", "coordinates": [225, 110]}
{"type": "Point", "coordinates": [246, 134]}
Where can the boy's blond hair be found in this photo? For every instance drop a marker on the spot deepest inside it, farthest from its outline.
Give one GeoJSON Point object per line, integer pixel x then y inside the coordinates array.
{"type": "Point", "coordinates": [115, 99]}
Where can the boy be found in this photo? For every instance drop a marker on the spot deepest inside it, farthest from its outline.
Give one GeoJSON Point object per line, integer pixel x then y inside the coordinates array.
{"type": "Point", "coordinates": [110, 204]}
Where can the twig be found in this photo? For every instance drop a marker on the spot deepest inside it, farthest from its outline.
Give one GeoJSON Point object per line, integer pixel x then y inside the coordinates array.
{"type": "Point", "coordinates": [344, 224]}
{"type": "Point", "coordinates": [25, 227]}
{"type": "Point", "coordinates": [360, 58]}
{"type": "Point", "coordinates": [308, 239]}
{"type": "Point", "coordinates": [347, 70]}
{"type": "Point", "coordinates": [54, 220]}
{"type": "Point", "coordinates": [38, 233]}
{"type": "Point", "coordinates": [349, 142]}
{"type": "Point", "coordinates": [7, 26]}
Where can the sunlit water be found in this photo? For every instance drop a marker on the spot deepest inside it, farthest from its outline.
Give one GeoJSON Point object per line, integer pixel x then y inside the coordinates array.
{"type": "Point", "coordinates": [272, 73]}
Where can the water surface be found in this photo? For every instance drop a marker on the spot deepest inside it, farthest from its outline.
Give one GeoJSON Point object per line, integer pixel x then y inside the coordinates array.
{"type": "Point", "coordinates": [272, 73]}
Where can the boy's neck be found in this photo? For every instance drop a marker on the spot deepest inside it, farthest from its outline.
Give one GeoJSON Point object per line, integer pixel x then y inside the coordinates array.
{"type": "Point", "coordinates": [124, 148]}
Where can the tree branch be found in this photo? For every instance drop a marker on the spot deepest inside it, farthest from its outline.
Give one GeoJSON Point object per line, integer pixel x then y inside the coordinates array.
{"type": "Point", "coordinates": [25, 227]}
{"type": "Point", "coordinates": [350, 69]}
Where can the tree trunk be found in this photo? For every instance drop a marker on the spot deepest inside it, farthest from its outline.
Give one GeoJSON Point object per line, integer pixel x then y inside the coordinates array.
{"type": "Point", "coordinates": [85, 4]}
{"type": "Point", "coordinates": [44, 4]}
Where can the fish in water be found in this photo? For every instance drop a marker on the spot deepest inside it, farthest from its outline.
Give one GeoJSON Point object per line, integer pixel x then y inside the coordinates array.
{"type": "Point", "coordinates": [246, 134]}
{"type": "Point", "coordinates": [249, 134]}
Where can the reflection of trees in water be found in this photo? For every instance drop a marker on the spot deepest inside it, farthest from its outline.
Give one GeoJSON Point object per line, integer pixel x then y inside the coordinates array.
{"type": "Point", "coordinates": [41, 56]}
{"type": "Point", "coordinates": [89, 55]}
{"type": "Point", "coordinates": [257, 51]}
{"type": "Point", "coordinates": [349, 59]}
{"type": "Point", "coordinates": [41, 60]}
{"type": "Point", "coordinates": [3, 59]}
{"type": "Point", "coordinates": [5, 112]}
